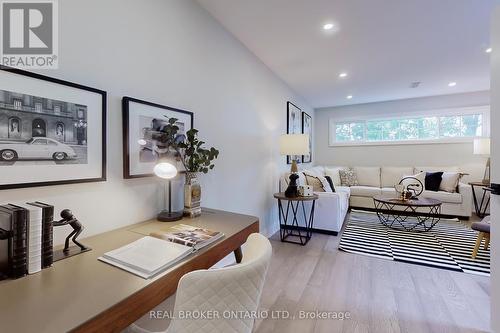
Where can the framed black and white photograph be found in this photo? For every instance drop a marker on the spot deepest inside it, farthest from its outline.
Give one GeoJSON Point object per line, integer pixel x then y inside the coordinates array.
{"type": "Point", "coordinates": [294, 126]}
{"type": "Point", "coordinates": [307, 129]}
{"type": "Point", "coordinates": [52, 132]}
{"type": "Point", "coordinates": [142, 123]}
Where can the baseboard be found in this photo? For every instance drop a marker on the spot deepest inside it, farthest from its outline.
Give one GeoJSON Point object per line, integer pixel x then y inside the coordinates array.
{"type": "Point", "coordinates": [319, 231]}
{"type": "Point", "coordinates": [443, 216]}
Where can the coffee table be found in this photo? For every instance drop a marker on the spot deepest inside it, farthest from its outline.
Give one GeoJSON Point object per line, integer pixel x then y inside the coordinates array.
{"type": "Point", "coordinates": [419, 215]}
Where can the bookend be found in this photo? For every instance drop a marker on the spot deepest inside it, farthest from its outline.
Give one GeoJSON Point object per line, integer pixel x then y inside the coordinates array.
{"type": "Point", "coordinates": [69, 218]}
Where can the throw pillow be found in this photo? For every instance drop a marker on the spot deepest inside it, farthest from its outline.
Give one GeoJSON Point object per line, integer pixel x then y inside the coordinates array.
{"type": "Point", "coordinates": [334, 174]}
{"type": "Point", "coordinates": [433, 180]}
{"type": "Point", "coordinates": [330, 181]}
{"type": "Point", "coordinates": [449, 183]}
{"type": "Point", "coordinates": [348, 177]}
{"type": "Point", "coordinates": [319, 183]}
{"type": "Point", "coordinates": [420, 176]}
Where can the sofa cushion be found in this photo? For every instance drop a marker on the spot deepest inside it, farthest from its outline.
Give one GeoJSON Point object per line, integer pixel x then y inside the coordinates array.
{"type": "Point", "coordinates": [368, 176]}
{"type": "Point", "coordinates": [365, 191]}
{"type": "Point", "coordinates": [389, 191]}
{"type": "Point", "coordinates": [319, 170]}
{"type": "Point", "coordinates": [343, 189]}
{"type": "Point", "coordinates": [437, 169]}
{"type": "Point", "coordinates": [319, 183]}
{"type": "Point", "coordinates": [433, 180]}
{"type": "Point", "coordinates": [445, 197]}
{"type": "Point", "coordinates": [449, 182]}
{"type": "Point", "coordinates": [348, 178]}
{"type": "Point", "coordinates": [391, 176]}
{"type": "Point", "coordinates": [334, 174]}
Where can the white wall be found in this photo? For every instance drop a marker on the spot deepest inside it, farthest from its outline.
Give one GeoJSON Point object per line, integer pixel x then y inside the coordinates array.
{"type": "Point", "coordinates": [495, 136]}
{"type": "Point", "coordinates": [399, 155]}
{"type": "Point", "coordinates": [174, 53]}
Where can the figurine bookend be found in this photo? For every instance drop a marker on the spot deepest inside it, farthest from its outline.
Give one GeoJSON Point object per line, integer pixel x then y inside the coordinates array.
{"type": "Point", "coordinates": [69, 219]}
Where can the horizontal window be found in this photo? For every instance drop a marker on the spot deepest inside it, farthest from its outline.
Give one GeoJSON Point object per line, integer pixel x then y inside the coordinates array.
{"type": "Point", "coordinates": [423, 128]}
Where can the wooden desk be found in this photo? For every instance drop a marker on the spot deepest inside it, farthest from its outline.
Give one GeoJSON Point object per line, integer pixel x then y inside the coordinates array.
{"type": "Point", "coordinates": [82, 294]}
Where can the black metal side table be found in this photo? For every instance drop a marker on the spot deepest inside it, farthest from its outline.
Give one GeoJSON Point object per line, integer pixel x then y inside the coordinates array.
{"type": "Point", "coordinates": [480, 207]}
{"type": "Point", "coordinates": [287, 229]}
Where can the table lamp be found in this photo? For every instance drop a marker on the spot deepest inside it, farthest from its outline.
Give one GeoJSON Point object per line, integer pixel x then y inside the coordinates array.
{"type": "Point", "coordinates": [167, 171]}
{"type": "Point", "coordinates": [294, 144]}
{"type": "Point", "coordinates": [482, 147]}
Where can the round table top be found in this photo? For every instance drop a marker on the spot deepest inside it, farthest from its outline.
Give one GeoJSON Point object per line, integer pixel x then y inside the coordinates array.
{"type": "Point", "coordinates": [281, 196]}
{"type": "Point", "coordinates": [420, 202]}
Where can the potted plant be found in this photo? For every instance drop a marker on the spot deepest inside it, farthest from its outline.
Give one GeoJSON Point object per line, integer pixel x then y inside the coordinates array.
{"type": "Point", "coordinates": [190, 150]}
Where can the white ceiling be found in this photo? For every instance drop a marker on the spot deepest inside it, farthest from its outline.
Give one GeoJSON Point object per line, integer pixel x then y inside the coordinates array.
{"type": "Point", "coordinates": [384, 45]}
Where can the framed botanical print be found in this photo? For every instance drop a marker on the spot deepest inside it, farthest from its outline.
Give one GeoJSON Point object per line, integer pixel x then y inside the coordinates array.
{"type": "Point", "coordinates": [293, 123]}
{"type": "Point", "coordinates": [52, 132]}
{"type": "Point", "coordinates": [307, 129]}
{"type": "Point", "coordinates": [142, 126]}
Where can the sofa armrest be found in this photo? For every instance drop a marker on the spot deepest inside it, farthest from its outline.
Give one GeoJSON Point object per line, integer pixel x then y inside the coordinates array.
{"type": "Point", "coordinates": [465, 189]}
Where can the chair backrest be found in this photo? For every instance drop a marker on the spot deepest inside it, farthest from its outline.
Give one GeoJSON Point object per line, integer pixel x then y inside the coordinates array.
{"type": "Point", "coordinates": [225, 296]}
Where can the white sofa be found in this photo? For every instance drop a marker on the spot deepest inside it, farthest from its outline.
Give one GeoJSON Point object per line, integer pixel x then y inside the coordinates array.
{"type": "Point", "coordinates": [332, 208]}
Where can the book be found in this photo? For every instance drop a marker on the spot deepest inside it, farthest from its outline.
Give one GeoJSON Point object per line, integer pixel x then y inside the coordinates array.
{"type": "Point", "coordinates": [147, 256]}
{"type": "Point", "coordinates": [47, 232]}
{"type": "Point", "coordinates": [188, 235]}
{"type": "Point", "coordinates": [34, 219]}
{"type": "Point", "coordinates": [14, 218]}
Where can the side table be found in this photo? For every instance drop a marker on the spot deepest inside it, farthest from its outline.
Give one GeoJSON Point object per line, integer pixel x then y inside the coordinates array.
{"type": "Point", "coordinates": [287, 228]}
{"type": "Point", "coordinates": [478, 206]}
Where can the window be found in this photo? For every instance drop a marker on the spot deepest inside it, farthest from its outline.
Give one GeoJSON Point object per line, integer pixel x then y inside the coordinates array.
{"type": "Point", "coordinates": [18, 104]}
{"type": "Point", "coordinates": [38, 107]}
{"type": "Point", "coordinates": [40, 142]}
{"type": "Point", "coordinates": [421, 128]}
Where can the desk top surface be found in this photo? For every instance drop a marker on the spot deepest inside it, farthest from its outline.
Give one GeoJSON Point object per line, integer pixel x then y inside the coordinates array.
{"type": "Point", "coordinates": [78, 288]}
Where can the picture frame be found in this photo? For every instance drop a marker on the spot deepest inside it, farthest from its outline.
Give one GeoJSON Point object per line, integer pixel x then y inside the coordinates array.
{"type": "Point", "coordinates": [141, 120]}
{"type": "Point", "coordinates": [293, 126]}
{"type": "Point", "coordinates": [307, 129]}
{"type": "Point", "coordinates": [52, 131]}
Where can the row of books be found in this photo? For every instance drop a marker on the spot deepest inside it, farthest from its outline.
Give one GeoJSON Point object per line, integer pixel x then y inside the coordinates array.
{"type": "Point", "coordinates": [26, 246]}
{"type": "Point", "coordinates": [153, 254]}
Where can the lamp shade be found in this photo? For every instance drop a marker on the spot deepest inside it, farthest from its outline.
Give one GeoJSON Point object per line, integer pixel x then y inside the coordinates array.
{"type": "Point", "coordinates": [294, 144]}
{"type": "Point", "coordinates": [482, 146]}
{"type": "Point", "coordinates": [165, 170]}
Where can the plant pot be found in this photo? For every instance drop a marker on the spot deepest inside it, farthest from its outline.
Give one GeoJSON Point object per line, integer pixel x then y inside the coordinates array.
{"type": "Point", "coordinates": [192, 195]}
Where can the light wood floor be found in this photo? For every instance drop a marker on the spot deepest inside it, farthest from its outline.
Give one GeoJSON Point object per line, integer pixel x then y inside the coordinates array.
{"type": "Point", "coordinates": [381, 295]}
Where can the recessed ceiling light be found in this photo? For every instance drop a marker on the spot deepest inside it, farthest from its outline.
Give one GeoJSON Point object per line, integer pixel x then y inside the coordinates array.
{"type": "Point", "coordinates": [328, 26]}
{"type": "Point", "coordinates": [452, 84]}
{"type": "Point", "coordinates": [488, 50]}
{"type": "Point", "coordinates": [349, 97]}
{"type": "Point", "coordinates": [343, 75]}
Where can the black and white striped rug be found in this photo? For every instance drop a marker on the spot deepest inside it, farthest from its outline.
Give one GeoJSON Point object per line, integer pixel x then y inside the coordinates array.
{"type": "Point", "coordinates": [448, 245]}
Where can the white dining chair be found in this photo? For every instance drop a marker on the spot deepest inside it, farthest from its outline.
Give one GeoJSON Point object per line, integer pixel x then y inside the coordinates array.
{"type": "Point", "coordinates": [231, 293]}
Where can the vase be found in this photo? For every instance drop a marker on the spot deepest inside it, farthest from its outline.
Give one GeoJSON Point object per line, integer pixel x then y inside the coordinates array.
{"type": "Point", "coordinates": [192, 195]}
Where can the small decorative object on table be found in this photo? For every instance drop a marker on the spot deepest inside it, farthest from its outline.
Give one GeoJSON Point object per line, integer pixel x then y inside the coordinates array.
{"type": "Point", "coordinates": [69, 219]}
{"type": "Point", "coordinates": [294, 145]}
{"type": "Point", "coordinates": [192, 195]}
{"type": "Point", "coordinates": [305, 190]}
{"type": "Point", "coordinates": [409, 188]}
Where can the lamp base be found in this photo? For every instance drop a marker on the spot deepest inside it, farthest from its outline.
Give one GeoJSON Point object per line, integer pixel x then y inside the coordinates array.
{"type": "Point", "coordinates": [166, 216]}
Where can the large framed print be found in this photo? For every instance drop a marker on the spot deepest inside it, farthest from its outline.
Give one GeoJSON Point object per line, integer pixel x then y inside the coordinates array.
{"type": "Point", "coordinates": [52, 132]}
{"type": "Point", "coordinates": [293, 126]}
{"type": "Point", "coordinates": [142, 121]}
{"type": "Point", "coordinates": [307, 129]}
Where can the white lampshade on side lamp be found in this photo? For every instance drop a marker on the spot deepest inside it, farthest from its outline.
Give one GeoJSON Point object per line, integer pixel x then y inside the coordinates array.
{"type": "Point", "coordinates": [166, 170]}
{"type": "Point", "coordinates": [482, 146]}
{"type": "Point", "coordinates": [293, 144]}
